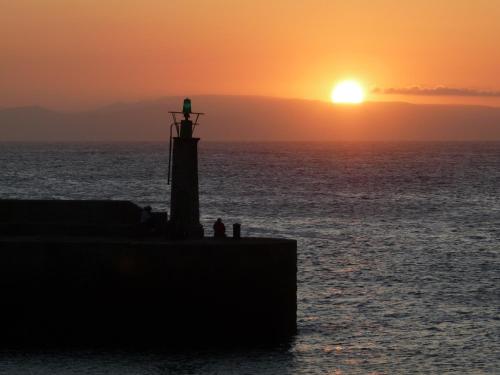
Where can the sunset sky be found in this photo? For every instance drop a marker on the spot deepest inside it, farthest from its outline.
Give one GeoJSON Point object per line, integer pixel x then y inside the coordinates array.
{"type": "Point", "coordinates": [76, 54]}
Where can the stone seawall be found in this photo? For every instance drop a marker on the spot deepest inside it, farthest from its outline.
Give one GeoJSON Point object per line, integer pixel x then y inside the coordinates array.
{"type": "Point", "coordinates": [146, 291]}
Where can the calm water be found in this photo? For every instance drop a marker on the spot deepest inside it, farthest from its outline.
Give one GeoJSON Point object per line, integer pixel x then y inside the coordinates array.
{"type": "Point", "coordinates": [399, 248]}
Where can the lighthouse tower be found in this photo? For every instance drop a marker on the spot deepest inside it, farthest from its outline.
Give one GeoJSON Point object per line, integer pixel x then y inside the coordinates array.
{"type": "Point", "coordinates": [184, 200]}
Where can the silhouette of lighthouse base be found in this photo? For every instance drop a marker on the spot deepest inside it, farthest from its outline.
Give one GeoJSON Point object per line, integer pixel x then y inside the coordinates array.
{"type": "Point", "coordinates": [184, 204]}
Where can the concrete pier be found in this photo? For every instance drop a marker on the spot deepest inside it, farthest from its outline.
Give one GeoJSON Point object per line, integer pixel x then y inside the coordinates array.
{"type": "Point", "coordinates": [128, 290]}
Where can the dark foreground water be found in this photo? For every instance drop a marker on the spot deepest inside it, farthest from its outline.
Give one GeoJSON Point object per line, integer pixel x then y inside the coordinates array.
{"type": "Point", "coordinates": [399, 245]}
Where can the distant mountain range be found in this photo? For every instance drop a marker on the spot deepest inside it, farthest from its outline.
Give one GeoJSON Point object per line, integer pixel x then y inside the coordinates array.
{"type": "Point", "coordinates": [246, 118]}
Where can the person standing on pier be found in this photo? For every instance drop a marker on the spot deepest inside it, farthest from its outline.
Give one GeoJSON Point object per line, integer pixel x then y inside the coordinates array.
{"type": "Point", "coordinates": [219, 229]}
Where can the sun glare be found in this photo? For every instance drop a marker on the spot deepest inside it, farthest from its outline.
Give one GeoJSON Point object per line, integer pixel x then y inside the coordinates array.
{"type": "Point", "coordinates": [349, 92]}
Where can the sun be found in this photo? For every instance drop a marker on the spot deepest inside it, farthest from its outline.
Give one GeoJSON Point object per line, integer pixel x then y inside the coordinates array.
{"type": "Point", "coordinates": [350, 92]}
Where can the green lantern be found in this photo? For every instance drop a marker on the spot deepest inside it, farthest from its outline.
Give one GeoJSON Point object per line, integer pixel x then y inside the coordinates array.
{"type": "Point", "coordinates": [186, 107]}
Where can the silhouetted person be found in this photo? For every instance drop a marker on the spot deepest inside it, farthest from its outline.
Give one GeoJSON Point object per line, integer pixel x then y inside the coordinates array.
{"type": "Point", "coordinates": [219, 229]}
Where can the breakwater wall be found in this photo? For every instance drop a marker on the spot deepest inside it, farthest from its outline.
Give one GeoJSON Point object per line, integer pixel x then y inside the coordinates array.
{"type": "Point", "coordinates": [105, 290]}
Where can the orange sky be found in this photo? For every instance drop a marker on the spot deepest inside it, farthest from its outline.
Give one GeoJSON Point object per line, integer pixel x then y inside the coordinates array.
{"type": "Point", "coordinates": [81, 53]}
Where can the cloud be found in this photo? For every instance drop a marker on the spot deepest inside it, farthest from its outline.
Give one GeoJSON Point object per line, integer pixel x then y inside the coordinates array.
{"type": "Point", "coordinates": [435, 91]}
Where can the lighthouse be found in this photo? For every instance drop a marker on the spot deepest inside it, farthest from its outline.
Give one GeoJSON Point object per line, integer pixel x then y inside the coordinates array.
{"type": "Point", "coordinates": [183, 161]}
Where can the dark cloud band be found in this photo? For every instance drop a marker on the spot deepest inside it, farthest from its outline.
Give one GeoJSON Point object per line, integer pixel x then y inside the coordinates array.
{"type": "Point", "coordinates": [435, 91]}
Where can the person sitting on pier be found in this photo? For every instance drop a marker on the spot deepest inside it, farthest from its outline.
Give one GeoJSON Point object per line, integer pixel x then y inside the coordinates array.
{"type": "Point", "coordinates": [219, 229]}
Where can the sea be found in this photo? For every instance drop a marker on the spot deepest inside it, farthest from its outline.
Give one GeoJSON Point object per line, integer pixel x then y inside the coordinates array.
{"type": "Point", "coordinates": [398, 249]}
